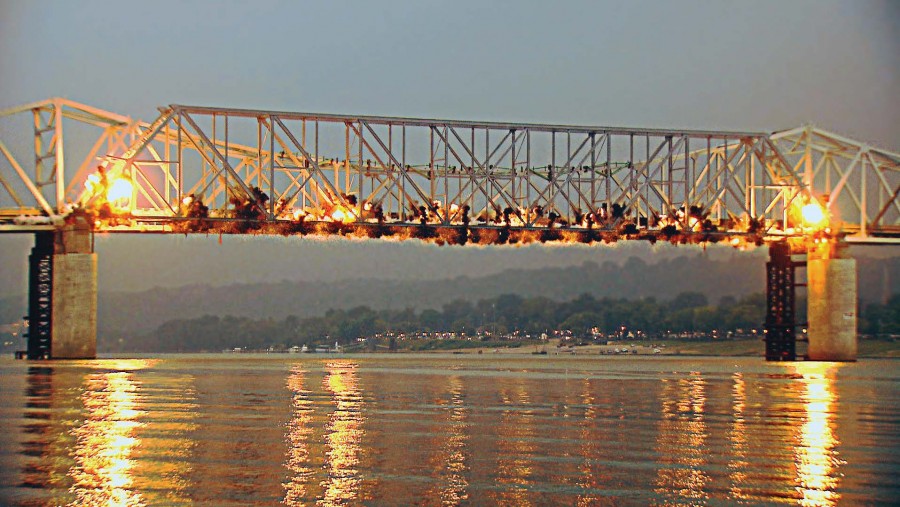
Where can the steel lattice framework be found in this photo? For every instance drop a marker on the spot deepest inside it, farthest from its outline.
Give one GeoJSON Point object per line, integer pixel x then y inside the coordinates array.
{"type": "Point", "coordinates": [293, 172]}
{"type": "Point", "coordinates": [858, 182]}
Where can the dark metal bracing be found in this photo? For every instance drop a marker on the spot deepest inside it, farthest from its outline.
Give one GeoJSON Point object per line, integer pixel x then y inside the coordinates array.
{"type": "Point", "coordinates": [781, 307]}
{"type": "Point", "coordinates": [40, 297]}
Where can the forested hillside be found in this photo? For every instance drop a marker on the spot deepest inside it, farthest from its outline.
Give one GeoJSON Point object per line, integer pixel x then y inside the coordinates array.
{"type": "Point", "coordinates": [141, 312]}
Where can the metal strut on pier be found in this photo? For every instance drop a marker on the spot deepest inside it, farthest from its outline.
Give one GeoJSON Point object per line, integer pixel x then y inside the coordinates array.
{"type": "Point", "coordinates": [781, 303]}
{"type": "Point", "coordinates": [40, 297]}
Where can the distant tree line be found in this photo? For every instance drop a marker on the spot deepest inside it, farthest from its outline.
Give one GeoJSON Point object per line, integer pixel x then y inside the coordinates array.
{"type": "Point", "coordinates": [689, 312]}
{"type": "Point", "coordinates": [880, 320]}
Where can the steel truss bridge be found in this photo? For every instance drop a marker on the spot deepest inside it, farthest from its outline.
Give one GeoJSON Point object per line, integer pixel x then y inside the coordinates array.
{"type": "Point", "coordinates": [203, 169]}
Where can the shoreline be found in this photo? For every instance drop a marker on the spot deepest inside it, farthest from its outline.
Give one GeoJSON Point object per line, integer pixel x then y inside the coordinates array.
{"type": "Point", "coordinates": [868, 349]}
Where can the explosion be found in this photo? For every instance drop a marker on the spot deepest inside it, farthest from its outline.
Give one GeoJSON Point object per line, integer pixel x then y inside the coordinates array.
{"type": "Point", "coordinates": [814, 216]}
{"type": "Point", "coordinates": [108, 196]}
{"type": "Point", "coordinates": [342, 215]}
{"type": "Point", "coordinates": [442, 223]}
{"type": "Point", "coordinates": [119, 191]}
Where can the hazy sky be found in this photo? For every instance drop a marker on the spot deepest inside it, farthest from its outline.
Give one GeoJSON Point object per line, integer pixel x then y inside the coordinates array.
{"type": "Point", "coordinates": [758, 65]}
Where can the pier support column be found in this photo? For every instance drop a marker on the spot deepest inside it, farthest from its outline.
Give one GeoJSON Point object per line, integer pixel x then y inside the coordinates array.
{"type": "Point", "coordinates": [781, 325]}
{"type": "Point", "coordinates": [40, 296]}
{"type": "Point", "coordinates": [63, 300]}
{"type": "Point", "coordinates": [832, 289]}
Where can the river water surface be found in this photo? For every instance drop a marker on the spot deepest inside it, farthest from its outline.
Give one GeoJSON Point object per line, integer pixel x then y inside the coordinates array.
{"type": "Point", "coordinates": [446, 430]}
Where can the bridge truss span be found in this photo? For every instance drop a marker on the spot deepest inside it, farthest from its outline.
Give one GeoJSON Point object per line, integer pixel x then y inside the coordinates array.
{"type": "Point", "coordinates": [234, 170]}
{"type": "Point", "coordinates": [858, 183]}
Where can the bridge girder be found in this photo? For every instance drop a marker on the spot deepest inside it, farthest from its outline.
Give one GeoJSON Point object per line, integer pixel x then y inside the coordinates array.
{"type": "Point", "coordinates": [407, 171]}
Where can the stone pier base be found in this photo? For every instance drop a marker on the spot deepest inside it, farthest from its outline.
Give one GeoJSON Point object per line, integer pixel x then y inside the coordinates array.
{"type": "Point", "coordinates": [62, 310]}
{"type": "Point", "coordinates": [832, 312]}
{"type": "Point", "coordinates": [74, 334]}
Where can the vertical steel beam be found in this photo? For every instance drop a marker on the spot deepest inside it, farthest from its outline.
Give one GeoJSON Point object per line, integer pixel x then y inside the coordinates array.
{"type": "Point", "coordinates": [60, 161]}
{"type": "Point", "coordinates": [402, 209]}
{"type": "Point", "coordinates": [863, 212]}
{"type": "Point", "coordinates": [593, 198]}
{"type": "Point", "coordinates": [688, 180]}
{"type": "Point", "coordinates": [272, 195]}
{"type": "Point", "coordinates": [609, 176]}
{"type": "Point", "coordinates": [38, 146]}
{"type": "Point", "coordinates": [359, 199]}
{"type": "Point", "coordinates": [180, 164]}
{"type": "Point", "coordinates": [446, 205]}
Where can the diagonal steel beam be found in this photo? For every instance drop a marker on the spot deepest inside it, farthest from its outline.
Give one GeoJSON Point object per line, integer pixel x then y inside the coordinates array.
{"type": "Point", "coordinates": [35, 192]}
{"type": "Point", "coordinates": [338, 197]}
{"type": "Point", "coordinates": [225, 163]}
{"type": "Point", "coordinates": [11, 191]}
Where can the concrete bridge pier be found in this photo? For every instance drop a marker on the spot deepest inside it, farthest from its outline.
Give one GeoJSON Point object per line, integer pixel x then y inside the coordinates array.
{"type": "Point", "coordinates": [831, 306]}
{"type": "Point", "coordinates": [62, 302]}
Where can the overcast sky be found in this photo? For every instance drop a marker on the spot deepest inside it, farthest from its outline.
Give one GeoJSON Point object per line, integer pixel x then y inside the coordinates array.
{"type": "Point", "coordinates": [757, 65]}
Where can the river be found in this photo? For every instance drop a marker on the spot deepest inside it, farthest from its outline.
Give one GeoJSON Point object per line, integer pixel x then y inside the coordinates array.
{"type": "Point", "coordinates": [404, 429]}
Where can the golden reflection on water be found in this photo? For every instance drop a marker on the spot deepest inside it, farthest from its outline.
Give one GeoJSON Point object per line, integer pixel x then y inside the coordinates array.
{"type": "Point", "coordinates": [299, 431]}
{"type": "Point", "coordinates": [343, 434]}
{"type": "Point", "coordinates": [737, 438]}
{"type": "Point", "coordinates": [589, 445]}
{"type": "Point", "coordinates": [680, 442]}
{"type": "Point", "coordinates": [514, 468]}
{"type": "Point", "coordinates": [175, 422]}
{"type": "Point", "coordinates": [815, 456]}
{"type": "Point", "coordinates": [106, 440]}
{"type": "Point", "coordinates": [53, 408]}
{"type": "Point", "coordinates": [453, 489]}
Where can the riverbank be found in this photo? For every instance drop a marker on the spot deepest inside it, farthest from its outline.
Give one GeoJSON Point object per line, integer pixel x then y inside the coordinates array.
{"type": "Point", "coordinates": [731, 348]}
{"type": "Point", "coordinates": [868, 348]}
